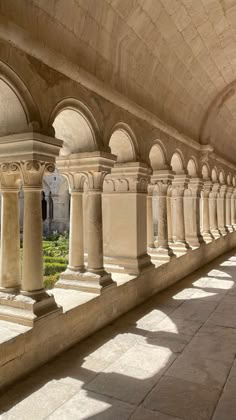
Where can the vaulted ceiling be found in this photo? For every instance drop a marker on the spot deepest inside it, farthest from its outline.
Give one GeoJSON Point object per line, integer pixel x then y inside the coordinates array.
{"type": "Point", "coordinates": [176, 58]}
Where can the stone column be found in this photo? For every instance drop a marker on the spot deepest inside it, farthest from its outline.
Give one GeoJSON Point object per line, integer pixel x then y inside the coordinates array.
{"type": "Point", "coordinates": [150, 232]}
{"type": "Point", "coordinates": [32, 264]}
{"type": "Point", "coordinates": [70, 279]}
{"type": "Point", "coordinates": [179, 184]}
{"type": "Point", "coordinates": [35, 157]}
{"type": "Point", "coordinates": [206, 233]}
{"type": "Point", "coordinates": [125, 218]}
{"type": "Point", "coordinates": [233, 212]}
{"type": "Point", "coordinates": [88, 170]}
{"type": "Point", "coordinates": [76, 242]}
{"type": "Point", "coordinates": [10, 230]}
{"type": "Point", "coordinates": [169, 215]}
{"type": "Point", "coordinates": [192, 198]}
{"type": "Point", "coordinates": [213, 210]}
{"type": "Point", "coordinates": [163, 252]}
{"type": "Point", "coordinates": [221, 207]}
{"type": "Point", "coordinates": [228, 218]}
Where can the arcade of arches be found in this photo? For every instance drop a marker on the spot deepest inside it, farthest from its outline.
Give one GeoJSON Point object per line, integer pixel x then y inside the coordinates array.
{"type": "Point", "coordinates": [150, 170]}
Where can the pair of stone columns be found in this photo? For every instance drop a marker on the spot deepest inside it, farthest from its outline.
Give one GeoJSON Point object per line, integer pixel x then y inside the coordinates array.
{"type": "Point", "coordinates": [23, 298]}
{"type": "Point", "coordinates": [160, 250]}
{"type": "Point", "coordinates": [178, 214]}
{"type": "Point", "coordinates": [89, 169]}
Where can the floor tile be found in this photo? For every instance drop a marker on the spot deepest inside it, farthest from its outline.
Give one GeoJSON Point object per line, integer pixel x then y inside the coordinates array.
{"type": "Point", "coordinates": [183, 399]}
{"type": "Point", "coordinates": [90, 405]}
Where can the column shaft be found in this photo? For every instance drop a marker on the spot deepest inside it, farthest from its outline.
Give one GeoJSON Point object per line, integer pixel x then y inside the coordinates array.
{"type": "Point", "coordinates": [76, 241]}
{"type": "Point", "coordinates": [32, 272]}
{"type": "Point", "coordinates": [10, 241]}
{"type": "Point", "coordinates": [213, 211]}
{"type": "Point", "coordinates": [150, 235]}
{"type": "Point", "coordinates": [94, 231]}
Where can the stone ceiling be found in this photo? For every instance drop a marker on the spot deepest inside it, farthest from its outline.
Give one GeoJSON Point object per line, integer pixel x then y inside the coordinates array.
{"type": "Point", "coordinates": [176, 58]}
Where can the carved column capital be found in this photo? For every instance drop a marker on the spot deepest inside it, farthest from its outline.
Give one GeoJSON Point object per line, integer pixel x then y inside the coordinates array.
{"type": "Point", "coordinates": [207, 187]}
{"type": "Point", "coordinates": [194, 188]}
{"type": "Point", "coordinates": [132, 177]}
{"type": "Point", "coordinates": [10, 176]}
{"type": "Point", "coordinates": [33, 171]}
{"type": "Point", "coordinates": [75, 180]}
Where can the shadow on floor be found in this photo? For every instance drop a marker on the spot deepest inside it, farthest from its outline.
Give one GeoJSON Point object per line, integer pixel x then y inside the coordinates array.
{"type": "Point", "coordinates": [110, 374]}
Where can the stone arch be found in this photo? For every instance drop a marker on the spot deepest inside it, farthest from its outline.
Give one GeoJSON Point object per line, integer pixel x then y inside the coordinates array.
{"type": "Point", "coordinates": [192, 168]}
{"type": "Point", "coordinates": [214, 175]}
{"type": "Point", "coordinates": [75, 124]}
{"type": "Point", "coordinates": [18, 112]}
{"type": "Point", "coordinates": [177, 162]}
{"type": "Point", "coordinates": [205, 172]}
{"type": "Point", "coordinates": [222, 177]}
{"type": "Point", "coordinates": [157, 156]}
{"type": "Point", "coordinates": [123, 143]}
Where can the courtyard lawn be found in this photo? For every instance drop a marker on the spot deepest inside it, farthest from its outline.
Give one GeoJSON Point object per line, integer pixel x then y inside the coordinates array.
{"type": "Point", "coordinates": [55, 258]}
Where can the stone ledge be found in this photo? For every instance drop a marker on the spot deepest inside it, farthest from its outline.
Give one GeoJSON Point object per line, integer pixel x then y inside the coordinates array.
{"type": "Point", "coordinates": [85, 313]}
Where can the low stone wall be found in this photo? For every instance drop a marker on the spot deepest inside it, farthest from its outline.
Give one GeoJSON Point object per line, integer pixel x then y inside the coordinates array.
{"type": "Point", "coordinates": [86, 313]}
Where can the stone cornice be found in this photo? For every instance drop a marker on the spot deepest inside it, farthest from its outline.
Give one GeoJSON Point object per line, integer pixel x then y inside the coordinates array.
{"type": "Point", "coordinates": [29, 146]}
{"type": "Point", "coordinates": [128, 177]}
{"type": "Point", "coordinates": [84, 162]}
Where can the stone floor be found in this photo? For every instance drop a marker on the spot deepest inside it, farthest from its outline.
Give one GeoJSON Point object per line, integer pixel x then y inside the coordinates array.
{"type": "Point", "coordinates": [171, 358]}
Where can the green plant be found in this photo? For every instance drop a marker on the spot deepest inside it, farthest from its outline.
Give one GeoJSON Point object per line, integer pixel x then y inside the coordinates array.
{"type": "Point", "coordinates": [53, 259]}
{"type": "Point", "coordinates": [53, 268]}
{"type": "Point", "coordinates": [49, 281]}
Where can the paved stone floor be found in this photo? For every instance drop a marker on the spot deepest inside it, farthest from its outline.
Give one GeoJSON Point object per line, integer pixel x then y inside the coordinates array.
{"type": "Point", "coordinates": [171, 358]}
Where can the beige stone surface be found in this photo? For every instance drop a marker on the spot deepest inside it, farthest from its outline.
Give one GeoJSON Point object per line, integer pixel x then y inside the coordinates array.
{"type": "Point", "coordinates": [183, 369]}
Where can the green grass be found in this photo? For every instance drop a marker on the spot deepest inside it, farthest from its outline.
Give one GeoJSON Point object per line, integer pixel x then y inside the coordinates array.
{"type": "Point", "coordinates": [55, 258]}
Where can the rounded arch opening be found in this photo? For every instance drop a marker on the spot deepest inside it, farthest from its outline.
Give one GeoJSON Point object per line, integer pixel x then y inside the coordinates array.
{"type": "Point", "coordinates": [222, 177]}
{"type": "Point", "coordinates": [75, 130]}
{"type": "Point", "coordinates": [229, 179]}
{"type": "Point", "coordinates": [157, 157]}
{"type": "Point", "coordinates": [205, 172]}
{"type": "Point", "coordinates": [214, 175]}
{"type": "Point", "coordinates": [192, 168]}
{"type": "Point", "coordinates": [18, 112]}
{"type": "Point", "coordinates": [122, 146]}
{"type": "Point", "coordinates": [177, 163]}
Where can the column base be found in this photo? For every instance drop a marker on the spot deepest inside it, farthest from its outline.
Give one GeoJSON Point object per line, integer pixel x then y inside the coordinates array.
{"type": "Point", "coordinates": [230, 228]}
{"type": "Point", "coordinates": [133, 266]}
{"type": "Point", "coordinates": [180, 248]}
{"type": "Point", "coordinates": [194, 241]}
{"type": "Point", "coordinates": [216, 233]}
{"type": "Point", "coordinates": [223, 231]}
{"type": "Point", "coordinates": [27, 308]}
{"type": "Point", "coordinates": [85, 281]}
{"type": "Point", "coordinates": [161, 254]}
{"type": "Point", "coordinates": [207, 237]}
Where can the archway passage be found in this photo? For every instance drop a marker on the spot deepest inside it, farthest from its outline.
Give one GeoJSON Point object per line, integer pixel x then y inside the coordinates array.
{"type": "Point", "coordinates": [74, 129]}
{"type": "Point", "coordinates": [122, 146]}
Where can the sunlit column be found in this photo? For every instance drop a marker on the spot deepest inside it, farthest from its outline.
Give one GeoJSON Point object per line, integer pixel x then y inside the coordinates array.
{"type": "Point", "coordinates": [179, 184]}
{"type": "Point", "coordinates": [221, 207]}
{"type": "Point", "coordinates": [233, 212]}
{"type": "Point", "coordinates": [228, 218]}
{"type": "Point", "coordinates": [10, 230]}
{"type": "Point", "coordinates": [206, 233]}
{"type": "Point", "coordinates": [192, 198]}
{"type": "Point", "coordinates": [213, 210]}
{"type": "Point", "coordinates": [150, 230]}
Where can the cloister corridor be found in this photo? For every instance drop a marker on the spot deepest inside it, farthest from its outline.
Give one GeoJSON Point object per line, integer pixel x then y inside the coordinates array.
{"type": "Point", "coordinates": [171, 358]}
